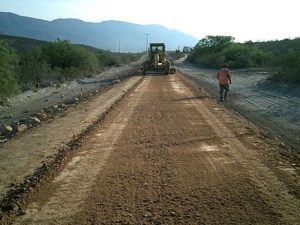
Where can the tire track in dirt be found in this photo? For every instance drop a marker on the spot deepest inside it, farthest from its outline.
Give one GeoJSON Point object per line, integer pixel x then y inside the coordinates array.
{"type": "Point", "coordinates": [70, 188]}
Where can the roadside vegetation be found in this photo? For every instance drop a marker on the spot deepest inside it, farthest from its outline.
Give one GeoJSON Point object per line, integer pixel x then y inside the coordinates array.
{"type": "Point", "coordinates": [8, 63]}
{"type": "Point", "coordinates": [27, 64]}
{"type": "Point", "coordinates": [283, 56]}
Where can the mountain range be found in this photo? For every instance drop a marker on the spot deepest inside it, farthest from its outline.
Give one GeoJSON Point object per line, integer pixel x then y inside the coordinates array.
{"type": "Point", "coordinates": [108, 35]}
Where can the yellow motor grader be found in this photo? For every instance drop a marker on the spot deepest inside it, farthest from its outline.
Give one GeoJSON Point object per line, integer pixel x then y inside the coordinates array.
{"type": "Point", "coordinates": [157, 60]}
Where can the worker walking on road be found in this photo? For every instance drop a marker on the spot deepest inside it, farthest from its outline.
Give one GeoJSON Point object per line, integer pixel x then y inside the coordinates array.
{"type": "Point", "coordinates": [224, 79]}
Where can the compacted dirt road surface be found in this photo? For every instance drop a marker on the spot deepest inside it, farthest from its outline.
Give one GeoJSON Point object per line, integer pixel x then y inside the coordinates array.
{"type": "Point", "coordinates": [168, 154]}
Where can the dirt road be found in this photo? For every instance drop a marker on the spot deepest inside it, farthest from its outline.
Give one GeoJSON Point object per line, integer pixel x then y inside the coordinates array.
{"type": "Point", "coordinates": [168, 154]}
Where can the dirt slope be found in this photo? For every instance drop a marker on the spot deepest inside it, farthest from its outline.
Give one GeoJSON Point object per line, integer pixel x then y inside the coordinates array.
{"type": "Point", "coordinates": [170, 155]}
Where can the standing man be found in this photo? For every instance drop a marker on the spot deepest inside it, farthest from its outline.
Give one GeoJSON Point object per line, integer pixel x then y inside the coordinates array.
{"type": "Point", "coordinates": [224, 79]}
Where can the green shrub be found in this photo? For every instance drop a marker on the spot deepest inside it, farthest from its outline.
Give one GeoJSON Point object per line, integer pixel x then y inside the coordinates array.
{"type": "Point", "coordinates": [214, 51]}
{"type": "Point", "coordinates": [39, 64]}
{"type": "Point", "coordinates": [8, 61]}
{"type": "Point", "coordinates": [64, 56]}
{"type": "Point", "coordinates": [61, 61]}
{"type": "Point", "coordinates": [107, 59]}
{"type": "Point", "coordinates": [55, 63]}
{"type": "Point", "coordinates": [241, 56]}
{"type": "Point", "coordinates": [35, 71]}
{"type": "Point", "coordinates": [207, 51]}
{"type": "Point", "coordinates": [289, 68]}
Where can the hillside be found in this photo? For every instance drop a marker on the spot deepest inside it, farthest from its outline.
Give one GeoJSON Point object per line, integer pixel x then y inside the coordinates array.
{"type": "Point", "coordinates": [105, 35]}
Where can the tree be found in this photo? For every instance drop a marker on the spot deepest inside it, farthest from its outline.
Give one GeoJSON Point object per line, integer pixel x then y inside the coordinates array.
{"type": "Point", "coordinates": [72, 60]}
{"type": "Point", "coordinates": [215, 43]}
{"type": "Point", "coordinates": [207, 50]}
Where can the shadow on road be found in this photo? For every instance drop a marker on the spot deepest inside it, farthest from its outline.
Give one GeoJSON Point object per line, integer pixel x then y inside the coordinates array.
{"type": "Point", "coordinates": [193, 98]}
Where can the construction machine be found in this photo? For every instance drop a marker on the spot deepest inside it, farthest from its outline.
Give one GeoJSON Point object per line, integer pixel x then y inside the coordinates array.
{"type": "Point", "coordinates": [157, 60]}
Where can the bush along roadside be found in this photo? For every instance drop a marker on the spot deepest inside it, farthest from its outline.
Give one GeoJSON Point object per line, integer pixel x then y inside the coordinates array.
{"type": "Point", "coordinates": [52, 63]}
{"type": "Point", "coordinates": [289, 69]}
{"type": "Point", "coordinates": [8, 76]}
{"type": "Point", "coordinates": [213, 51]}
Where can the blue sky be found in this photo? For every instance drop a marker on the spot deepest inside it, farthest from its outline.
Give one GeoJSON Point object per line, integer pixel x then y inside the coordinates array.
{"type": "Point", "coordinates": [243, 19]}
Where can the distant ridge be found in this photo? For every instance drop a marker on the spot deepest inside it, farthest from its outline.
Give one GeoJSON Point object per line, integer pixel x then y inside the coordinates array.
{"type": "Point", "coordinates": [106, 35]}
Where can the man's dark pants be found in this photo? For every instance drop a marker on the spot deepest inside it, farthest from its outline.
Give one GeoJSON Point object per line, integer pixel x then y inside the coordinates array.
{"type": "Point", "coordinates": [224, 88]}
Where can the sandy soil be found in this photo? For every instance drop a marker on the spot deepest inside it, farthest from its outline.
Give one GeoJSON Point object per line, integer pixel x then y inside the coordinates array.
{"type": "Point", "coordinates": [273, 106]}
{"type": "Point", "coordinates": [169, 154]}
